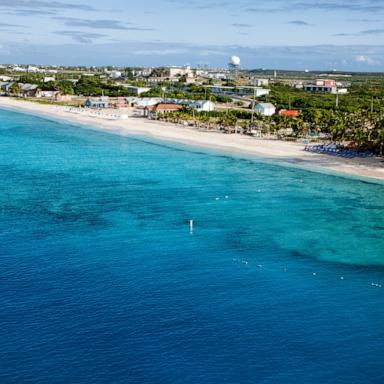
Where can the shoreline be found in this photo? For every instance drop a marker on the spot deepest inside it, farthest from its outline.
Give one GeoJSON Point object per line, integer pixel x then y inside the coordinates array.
{"type": "Point", "coordinates": [288, 153]}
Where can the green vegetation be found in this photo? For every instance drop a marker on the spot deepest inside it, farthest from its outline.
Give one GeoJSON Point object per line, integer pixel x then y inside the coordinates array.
{"type": "Point", "coordinates": [359, 98]}
{"type": "Point", "coordinates": [14, 89]}
{"type": "Point", "coordinates": [85, 86]}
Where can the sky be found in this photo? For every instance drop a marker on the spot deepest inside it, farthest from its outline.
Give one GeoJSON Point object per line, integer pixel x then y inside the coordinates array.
{"type": "Point", "coordinates": [273, 34]}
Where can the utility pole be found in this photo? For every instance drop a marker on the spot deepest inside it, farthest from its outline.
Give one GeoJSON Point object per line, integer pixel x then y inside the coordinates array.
{"type": "Point", "coordinates": [372, 105]}
{"type": "Point", "coordinates": [289, 103]}
{"type": "Point", "coordinates": [337, 100]}
{"type": "Point", "coordinates": [253, 103]}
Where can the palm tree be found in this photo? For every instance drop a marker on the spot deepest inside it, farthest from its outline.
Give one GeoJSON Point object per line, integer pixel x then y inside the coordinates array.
{"type": "Point", "coordinates": [378, 135]}
{"type": "Point", "coordinates": [338, 128]}
{"type": "Point", "coordinates": [14, 89]}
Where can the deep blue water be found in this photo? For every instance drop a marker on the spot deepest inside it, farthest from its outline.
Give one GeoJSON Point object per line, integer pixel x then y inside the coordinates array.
{"type": "Point", "coordinates": [101, 281]}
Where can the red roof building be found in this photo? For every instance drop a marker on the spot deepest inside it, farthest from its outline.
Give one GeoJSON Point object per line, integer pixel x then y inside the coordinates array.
{"type": "Point", "coordinates": [289, 112]}
{"type": "Point", "coordinates": [153, 110]}
{"type": "Point", "coordinates": [165, 107]}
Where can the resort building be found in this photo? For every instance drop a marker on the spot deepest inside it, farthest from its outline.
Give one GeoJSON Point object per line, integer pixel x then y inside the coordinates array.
{"type": "Point", "coordinates": [47, 94]}
{"type": "Point", "coordinates": [5, 88]}
{"type": "Point", "coordinates": [120, 103]}
{"type": "Point", "coordinates": [265, 109]}
{"type": "Point", "coordinates": [28, 90]}
{"type": "Point", "coordinates": [101, 102]}
{"type": "Point", "coordinates": [144, 101]}
{"type": "Point", "coordinates": [153, 110]}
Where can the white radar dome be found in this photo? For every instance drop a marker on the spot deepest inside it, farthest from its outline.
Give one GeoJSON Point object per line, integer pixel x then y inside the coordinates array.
{"type": "Point", "coordinates": [235, 60]}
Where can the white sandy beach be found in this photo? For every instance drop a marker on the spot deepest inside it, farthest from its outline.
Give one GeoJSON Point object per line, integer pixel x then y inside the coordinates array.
{"type": "Point", "coordinates": [243, 145]}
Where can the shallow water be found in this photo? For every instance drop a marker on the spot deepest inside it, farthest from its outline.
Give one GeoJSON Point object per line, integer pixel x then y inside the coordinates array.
{"type": "Point", "coordinates": [102, 282]}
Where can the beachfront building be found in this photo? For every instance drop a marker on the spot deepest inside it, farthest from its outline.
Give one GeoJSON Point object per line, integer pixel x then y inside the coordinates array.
{"type": "Point", "coordinates": [154, 110]}
{"type": "Point", "coordinates": [47, 94]}
{"type": "Point", "coordinates": [265, 109]}
{"type": "Point", "coordinates": [5, 88]}
{"type": "Point", "coordinates": [143, 102]}
{"type": "Point", "coordinates": [28, 90]}
{"type": "Point", "coordinates": [101, 102]}
{"type": "Point", "coordinates": [23, 90]}
{"type": "Point", "coordinates": [120, 103]}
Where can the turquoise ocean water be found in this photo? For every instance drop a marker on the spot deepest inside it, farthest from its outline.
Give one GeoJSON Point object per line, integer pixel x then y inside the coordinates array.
{"type": "Point", "coordinates": [102, 282]}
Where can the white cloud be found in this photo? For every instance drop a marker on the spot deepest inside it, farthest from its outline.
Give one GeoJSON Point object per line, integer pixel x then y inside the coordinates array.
{"type": "Point", "coordinates": [160, 52]}
{"type": "Point", "coordinates": [363, 59]}
{"type": "Point", "coordinates": [208, 52]}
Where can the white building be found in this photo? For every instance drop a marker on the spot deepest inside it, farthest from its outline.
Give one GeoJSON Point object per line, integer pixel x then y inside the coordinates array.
{"type": "Point", "coordinates": [217, 75]}
{"type": "Point", "coordinates": [116, 75]}
{"type": "Point", "coordinates": [180, 71]}
{"type": "Point", "coordinates": [320, 88]}
{"type": "Point", "coordinates": [203, 106]}
{"type": "Point", "coordinates": [47, 79]}
{"type": "Point", "coordinates": [136, 90]}
{"type": "Point", "coordinates": [143, 72]}
{"type": "Point", "coordinates": [261, 91]}
{"type": "Point", "coordinates": [147, 101]}
{"type": "Point", "coordinates": [18, 69]}
{"type": "Point", "coordinates": [265, 109]}
{"type": "Point", "coordinates": [5, 78]}
{"type": "Point", "coordinates": [47, 94]}
{"type": "Point", "coordinates": [260, 82]}
{"type": "Point", "coordinates": [32, 69]}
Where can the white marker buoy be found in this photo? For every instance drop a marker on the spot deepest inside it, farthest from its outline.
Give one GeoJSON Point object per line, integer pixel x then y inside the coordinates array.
{"type": "Point", "coordinates": [190, 226]}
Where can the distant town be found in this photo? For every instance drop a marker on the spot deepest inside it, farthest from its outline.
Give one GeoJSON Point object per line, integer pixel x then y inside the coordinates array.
{"type": "Point", "coordinates": [345, 108]}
